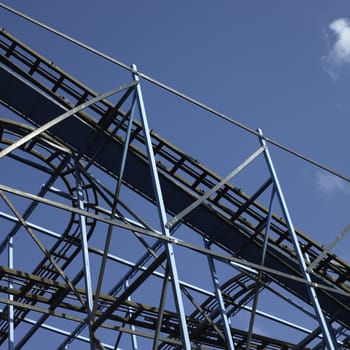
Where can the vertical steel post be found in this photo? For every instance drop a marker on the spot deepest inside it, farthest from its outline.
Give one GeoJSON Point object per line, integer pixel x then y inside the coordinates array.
{"type": "Point", "coordinates": [132, 327]}
{"type": "Point", "coordinates": [329, 339]}
{"type": "Point", "coordinates": [161, 308]}
{"type": "Point", "coordinates": [85, 252]}
{"type": "Point", "coordinates": [163, 219]}
{"type": "Point", "coordinates": [258, 281]}
{"type": "Point", "coordinates": [11, 337]}
{"type": "Point", "coordinates": [220, 300]}
{"type": "Point", "coordinates": [114, 210]}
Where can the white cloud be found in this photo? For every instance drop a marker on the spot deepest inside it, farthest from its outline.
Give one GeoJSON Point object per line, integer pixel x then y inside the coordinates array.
{"type": "Point", "coordinates": [339, 54]}
{"type": "Point", "coordinates": [329, 183]}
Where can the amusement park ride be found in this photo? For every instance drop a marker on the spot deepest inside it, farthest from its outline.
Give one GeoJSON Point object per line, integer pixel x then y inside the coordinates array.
{"type": "Point", "coordinates": [94, 272]}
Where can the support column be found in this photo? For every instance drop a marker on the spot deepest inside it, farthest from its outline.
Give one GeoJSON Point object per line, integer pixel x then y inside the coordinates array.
{"type": "Point", "coordinates": [260, 273]}
{"type": "Point", "coordinates": [113, 212]}
{"type": "Point", "coordinates": [11, 337]}
{"type": "Point", "coordinates": [163, 219]}
{"type": "Point", "coordinates": [329, 339]}
{"type": "Point", "coordinates": [220, 300]}
{"type": "Point", "coordinates": [132, 327]}
{"type": "Point", "coordinates": [85, 253]}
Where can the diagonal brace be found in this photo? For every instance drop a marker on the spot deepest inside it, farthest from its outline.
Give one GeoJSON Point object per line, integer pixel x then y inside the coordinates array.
{"type": "Point", "coordinates": [200, 200]}
{"type": "Point", "coordinates": [327, 333]}
{"type": "Point", "coordinates": [330, 246]}
{"type": "Point", "coordinates": [41, 246]}
{"type": "Point", "coordinates": [137, 283]}
{"type": "Point", "coordinates": [62, 117]}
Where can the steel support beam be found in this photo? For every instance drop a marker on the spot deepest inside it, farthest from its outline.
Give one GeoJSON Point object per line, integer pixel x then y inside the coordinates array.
{"type": "Point", "coordinates": [44, 189]}
{"type": "Point", "coordinates": [163, 218]}
{"type": "Point", "coordinates": [329, 247]}
{"type": "Point", "coordinates": [328, 336]}
{"type": "Point", "coordinates": [174, 241]}
{"type": "Point", "coordinates": [11, 314]}
{"type": "Point", "coordinates": [259, 279]}
{"type": "Point", "coordinates": [134, 342]}
{"type": "Point", "coordinates": [220, 300]}
{"type": "Point", "coordinates": [85, 253]}
{"type": "Point", "coordinates": [61, 118]}
{"type": "Point", "coordinates": [113, 211]}
{"type": "Point", "coordinates": [161, 308]}
{"type": "Point", "coordinates": [65, 333]}
{"type": "Point", "coordinates": [41, 247]}
{"type": "Point", "coordinates": [205, 196]}
{"type": "Point", "coordinates": [136, 284]}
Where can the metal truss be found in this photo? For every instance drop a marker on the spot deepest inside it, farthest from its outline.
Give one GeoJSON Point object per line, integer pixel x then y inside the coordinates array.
{"type": "Point", "coordinates": [83, 263]}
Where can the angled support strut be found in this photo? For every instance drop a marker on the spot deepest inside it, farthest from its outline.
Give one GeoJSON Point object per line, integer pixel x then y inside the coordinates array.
{"type": "Point", "coordinates": [163, 218]}
{"type": "Point", "coordinates": [327, 334]}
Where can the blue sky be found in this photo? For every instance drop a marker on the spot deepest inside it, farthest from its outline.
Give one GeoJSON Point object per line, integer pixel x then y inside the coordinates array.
{"type": "Point", "coordinates": [277, 65]}
{"type": "Point", "coordinates": [280, 66]}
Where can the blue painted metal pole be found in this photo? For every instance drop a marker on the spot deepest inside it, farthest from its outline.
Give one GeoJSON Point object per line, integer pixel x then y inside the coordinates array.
{"type": "Point", "coordinates": [214, 189]}
{"type": "Point", "coordinates": [220, 300]}
{"type": "Point", "coordinates": [132, 327]}
{"type": "Point", "coordinates": [85, 253]}
{"type": "Point", "coordinates": [266, 238]}
{"type": "Point", "coordinates": [113, 212]}
{"type": "Point", "coordinates": [163, 218]}
{"type": "Point", "coordinates": [11, 336]}
{"type": "Point", "coordinates": [258, 281]}
{"type": "Point", "coordinates": [66, 334]}
{"type": "Point", "coordinates": [330, 341]}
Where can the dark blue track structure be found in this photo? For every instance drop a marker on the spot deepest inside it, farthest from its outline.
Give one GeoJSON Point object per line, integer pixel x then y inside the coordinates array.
{"type": "Point", "coordinates": [74, 286]}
